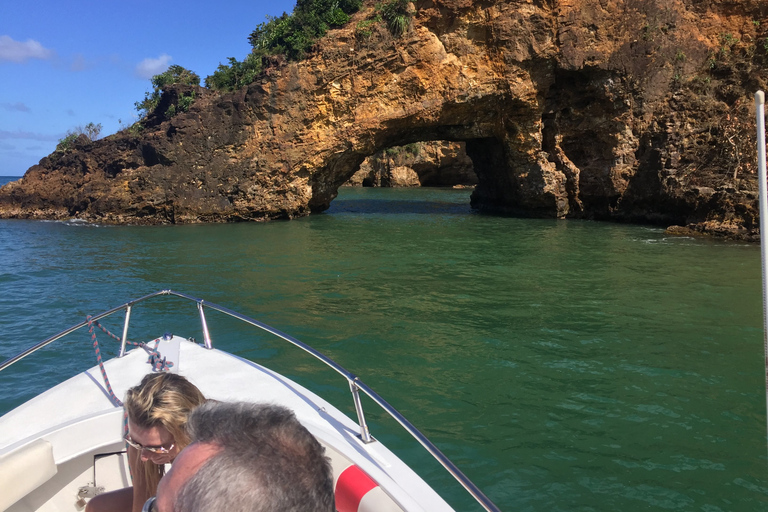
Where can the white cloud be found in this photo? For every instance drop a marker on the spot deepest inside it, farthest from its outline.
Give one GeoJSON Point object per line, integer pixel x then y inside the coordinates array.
{"type": "Point", "coordinates": [15, 107]}
{"type": "Point", "coordinates": [151, 67]}
{"type": "Point", "coordinates": [78, 63]}
{"type": "Point", "coordinates": [16, 51]}
{"type": "Point", "coordinates": [5, 135]}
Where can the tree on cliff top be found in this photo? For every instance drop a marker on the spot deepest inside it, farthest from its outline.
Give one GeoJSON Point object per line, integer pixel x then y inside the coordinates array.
{"type": "Point", "coordinates": [173, 75]}
{"type": "Point", "coordinates": [292, 35]}
{"type": "Point", "coordinates": [235, 75]}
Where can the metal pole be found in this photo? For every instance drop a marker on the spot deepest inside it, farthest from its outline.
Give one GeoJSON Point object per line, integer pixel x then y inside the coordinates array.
{"type": "Point", "coordinates": [365, 434]}
{"type": "Point", "coordinates": [125, 330]}
{"type": "Point", "coordinates": [761, 176]}
{"type": "Point", "coordinates": [206, 334]}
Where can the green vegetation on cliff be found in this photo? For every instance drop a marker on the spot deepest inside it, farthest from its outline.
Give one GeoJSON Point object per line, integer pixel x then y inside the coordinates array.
{"type": "Point", "coordinates": [294, 35]}
{"type": "Point", "coordinates": [91, 131]}
{"type": "Point", "coordinates": [291, 35]}
{"type": "Point", "coordinates": [398, 16]}
{"type": "Point", "coordinates": [235, 75]}
{"type": "Point", "coordinates": [173, 75]}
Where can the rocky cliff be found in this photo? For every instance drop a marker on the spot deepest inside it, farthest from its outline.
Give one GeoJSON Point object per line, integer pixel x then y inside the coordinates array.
{"type": "Point", "coordinates": [626, 110]}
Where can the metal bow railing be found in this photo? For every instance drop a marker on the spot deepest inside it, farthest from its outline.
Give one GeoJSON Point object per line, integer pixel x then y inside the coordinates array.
{"type": "Point", "coordinates": [355, 384]}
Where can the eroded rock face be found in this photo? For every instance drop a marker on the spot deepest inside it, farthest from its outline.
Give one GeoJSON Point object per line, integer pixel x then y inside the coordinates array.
{"type": "Point", "coordinates": [422, 164]}
{"type": "Point", "coordinates": [631, 110]}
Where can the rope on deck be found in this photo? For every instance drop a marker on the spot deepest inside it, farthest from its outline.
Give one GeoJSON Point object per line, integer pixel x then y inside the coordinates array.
{"type": "Point", "coordinates": [158, 363]}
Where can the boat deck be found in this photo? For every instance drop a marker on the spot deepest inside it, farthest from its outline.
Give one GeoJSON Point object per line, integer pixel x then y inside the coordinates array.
{"type": "Point", "coordinates": [79, 421]}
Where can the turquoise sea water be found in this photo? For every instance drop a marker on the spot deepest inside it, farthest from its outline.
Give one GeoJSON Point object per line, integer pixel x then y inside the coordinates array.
{"type": "Point", "coordinates": [561, 365]}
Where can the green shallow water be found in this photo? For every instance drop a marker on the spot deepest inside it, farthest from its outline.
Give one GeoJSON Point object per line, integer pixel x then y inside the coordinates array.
{"type": "Point", "coordinates": [561, 365]}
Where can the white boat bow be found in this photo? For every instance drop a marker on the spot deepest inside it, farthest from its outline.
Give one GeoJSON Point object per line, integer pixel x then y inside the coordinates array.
{"type": "Point", "coordinates": [64, 446]}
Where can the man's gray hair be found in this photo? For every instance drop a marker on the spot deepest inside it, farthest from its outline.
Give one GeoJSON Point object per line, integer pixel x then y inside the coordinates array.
{"type": "Point", "coordinates": [268, 462]}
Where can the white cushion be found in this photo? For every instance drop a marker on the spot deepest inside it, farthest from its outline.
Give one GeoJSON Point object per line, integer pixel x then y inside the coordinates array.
{"type": "Point", "coordinates": [25, 469]}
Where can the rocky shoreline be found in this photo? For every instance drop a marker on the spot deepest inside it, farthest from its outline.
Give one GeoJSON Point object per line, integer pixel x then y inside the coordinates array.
{"type": "Point", "coordinates": [623, 111]}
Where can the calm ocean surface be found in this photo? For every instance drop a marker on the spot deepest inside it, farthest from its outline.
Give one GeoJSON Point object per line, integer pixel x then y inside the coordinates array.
{"type": "Point", "coordinates": [562, 365]}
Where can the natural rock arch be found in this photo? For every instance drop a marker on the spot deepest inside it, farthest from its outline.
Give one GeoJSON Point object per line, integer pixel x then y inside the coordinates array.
{"type": "Point", "coordinates": [567, 108]}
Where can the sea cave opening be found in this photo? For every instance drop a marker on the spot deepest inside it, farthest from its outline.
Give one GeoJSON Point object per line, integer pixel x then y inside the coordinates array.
{"type": "Point", "coordinates": [435, 163]}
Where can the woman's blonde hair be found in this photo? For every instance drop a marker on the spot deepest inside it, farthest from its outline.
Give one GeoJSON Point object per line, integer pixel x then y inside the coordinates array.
{"type": "Point", "coordinates": [162, 400]}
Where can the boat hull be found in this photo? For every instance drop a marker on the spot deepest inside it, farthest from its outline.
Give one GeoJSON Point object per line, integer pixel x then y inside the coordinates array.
{"type": "Point", "coordinates": [83, 430]}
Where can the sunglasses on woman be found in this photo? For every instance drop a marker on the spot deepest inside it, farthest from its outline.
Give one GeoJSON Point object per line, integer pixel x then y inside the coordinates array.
{"type": "Point", "coordinates": [160, 450]}
{"type": "Point", "coordinates": [149, 505]}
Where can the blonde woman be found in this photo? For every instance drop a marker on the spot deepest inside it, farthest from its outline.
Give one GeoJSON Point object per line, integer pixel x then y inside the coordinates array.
{"type": "Point", "coordinates": [157, 416]}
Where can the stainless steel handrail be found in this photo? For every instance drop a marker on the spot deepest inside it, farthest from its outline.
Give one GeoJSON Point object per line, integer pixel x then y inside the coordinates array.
{"type": "Point", "coordinates": [127, 321]}
{"type": "Point", "coordinates": [355, 384]}
{"type": "Point", "coordinates": [8, 362]}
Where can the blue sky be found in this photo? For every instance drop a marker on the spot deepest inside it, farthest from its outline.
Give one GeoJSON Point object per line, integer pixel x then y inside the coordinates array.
{"type": "Point", "coordinates": [67, 64]}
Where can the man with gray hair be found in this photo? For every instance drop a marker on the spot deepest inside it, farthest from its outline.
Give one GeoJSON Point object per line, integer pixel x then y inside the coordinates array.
{"type": "Point", "coordinates": [247, 457]}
